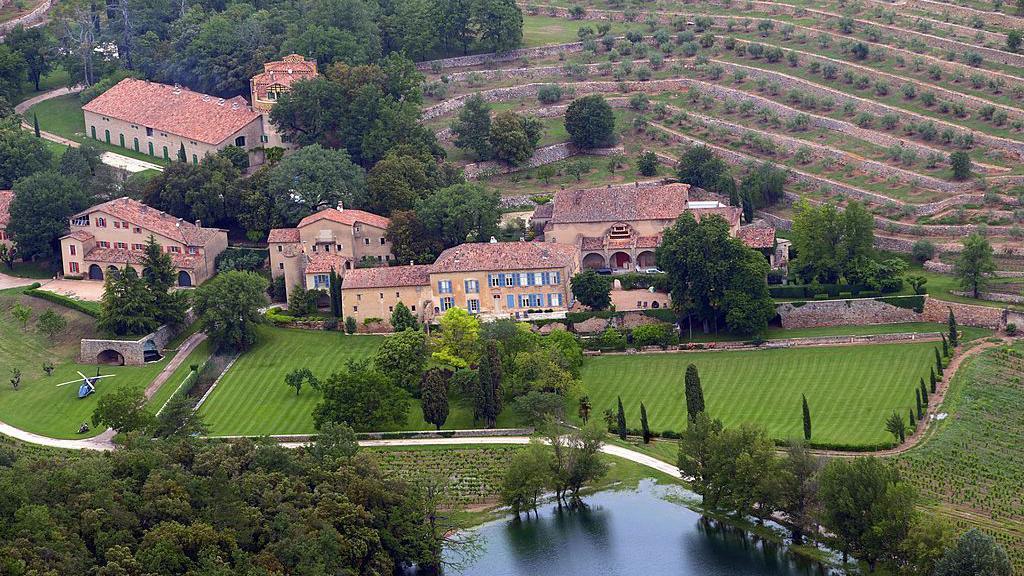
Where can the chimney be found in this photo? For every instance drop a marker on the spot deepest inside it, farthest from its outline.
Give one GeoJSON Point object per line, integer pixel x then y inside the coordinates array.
{"type": "Point", "coordinates": [341, 206]}
{"type": "Point", "coordinates": [494, 240]}
{"type": "Point", "coordinates": [199, 223]}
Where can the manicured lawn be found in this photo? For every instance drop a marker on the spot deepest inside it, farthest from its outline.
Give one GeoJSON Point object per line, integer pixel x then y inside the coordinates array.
{"type": "Point", "coordinates": [38, 270]}
{"type": "Point", "coordinates": [543, 30]}
{"type": "Point", "coordinates": [777, 333]}
{"type": "Point", "coordinates": [851, 389]}
{"type": "Point", "coordinates": [197, 356]}
{"type": "Point", "coordinates": [63, 116]}
{"type": "Point", "coordinates": [252, 398]}
{"type": "Point", "coordinates": [39, 405]}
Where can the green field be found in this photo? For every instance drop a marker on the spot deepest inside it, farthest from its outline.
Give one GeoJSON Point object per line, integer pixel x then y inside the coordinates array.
{"type": "Point", "coordinates": [39, 405]}
{"type": "Point", "coordinates": [252, 398]}
{"type": "Point", "coordinates": [851, 389]}
{"type": "Point", "coordinates": [971, 467]}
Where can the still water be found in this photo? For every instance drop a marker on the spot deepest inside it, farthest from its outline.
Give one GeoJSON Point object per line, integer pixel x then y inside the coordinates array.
{"type": "Point", "coordinates": [642, 531]}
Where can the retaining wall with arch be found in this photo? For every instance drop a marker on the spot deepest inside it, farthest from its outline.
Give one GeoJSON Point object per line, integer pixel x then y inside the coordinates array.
{"type": "Point", "coordinates": [129, 352]}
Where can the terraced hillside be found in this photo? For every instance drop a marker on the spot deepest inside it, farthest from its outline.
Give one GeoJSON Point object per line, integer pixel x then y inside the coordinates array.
{"type": "Point", "coordinates": [861, 100]}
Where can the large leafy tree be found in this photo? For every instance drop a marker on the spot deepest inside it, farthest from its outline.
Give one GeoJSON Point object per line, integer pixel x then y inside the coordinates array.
{"type": "Point", "coordinates": [127, 307]}
{"type": "Point", "coordinates": [42, 205]}
{"type": "Point", "coordinates": [228, 308]}
{"type": "Point", "coordinates": [513, 137]}
{"type": "Point", "coordinates": [21, 153]}
{"type": "Point", "coordinates": [402, 358]}
{"type": "Point", "coordinates": [360, 397]}
{"type": "Point", "coordinates": [590, 122]}
{"type": "Point", "coordinates": [472, 127]}
{"type": "Point", "coordinates": [458, 343]}
{"type": "Point", "coordinates": [975, 553]}
{"type": "Point", "coordinates": [591, 289]}
{"type": "Point", "coordinates": [36, 48]}
{"type": "Point", "coordinates": [404, 177]}
{"type": "Point", "coordinates": [13, 71]}
{"type": "Point", "coordinates": [311, 179]}
{"type": "Point", "coordinates": [210, 191]}
{"type": "Point", "coordinates": [158, 273]}
{"type": "Point", "coordinates": [460, 213]}
{"type": "Point", "coordinates": [975, 264]}
{"type": "Point", "coordinates": [124, 410]}
{"type": "Point", "coordinates": [867, 506]}
{"type": "Point", "coordinates": [410, 239]}
{"type": "Point", "coordinates": [715, 276]}
{"type": "Point", "coordinates": [499, 24]}
{"type": "Point", "coordinates": [831, 244]}
{"type": "Point", "coordinates": [699, 166]}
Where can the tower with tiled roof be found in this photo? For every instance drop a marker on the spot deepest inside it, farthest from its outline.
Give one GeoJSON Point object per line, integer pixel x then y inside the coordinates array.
{"type": "Point", "coordinates": [276, 79]}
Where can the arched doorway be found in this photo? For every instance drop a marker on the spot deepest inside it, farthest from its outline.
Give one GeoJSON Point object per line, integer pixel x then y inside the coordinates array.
{"type": "Point", "coordinates": [95, 272]}
{"type": "Point", "coordinates": [184, 279]}
{"type": "Point", "coordinates": [593, 261]}
{"type": "Point", "coordinates": [150, 353]}
{"type": "Point", "coordinates": [111, 357]}
{"type": "Point", "coordinates": [645, 260]}
{"type": "Point", "coordinates": [621, 261]}
{"type": "Point", "coordinates": [112, 271]}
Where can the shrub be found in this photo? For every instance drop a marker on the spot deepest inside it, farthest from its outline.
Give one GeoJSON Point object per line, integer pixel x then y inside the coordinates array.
{"type": "Point", "coordinates": [87, 308]}
{"type": "Point", "coordinates": [549, 93]}
{"type": "Point", "coordinates": [663, 335]}
{"type": "Point", "coordinates": [612, 339]}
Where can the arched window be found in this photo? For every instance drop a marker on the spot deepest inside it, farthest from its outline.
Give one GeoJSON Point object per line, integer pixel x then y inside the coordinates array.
{"type": "Point", "coordinates": [93, 132]}
{"type": "Point", "coordinates": [135, 144]}
{"type": "Point", "coordinates": [151, 149]}
{"type": "Point", "coordinates": [122, 140]}
{"type": "Point", "coordinates": [166, 156]}
{"type": "Point", "coordinates": [106, 136]}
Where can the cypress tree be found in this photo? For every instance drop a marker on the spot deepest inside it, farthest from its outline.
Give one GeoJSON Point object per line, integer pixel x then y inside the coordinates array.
{"type": "Point", "coordinates": [933, 381]}
{"type": "Point", "coordinates": [335, 293]}
{"type": "Point", "coordinates": [954, 338]}
{"type": "Point", "coordinates": [913, 423]}
{"type": "Point", "coordinates": [924, 394]}
{"type": "Point", "coordinates": [434, 398]}
{"type": "Point", "coordinates": [938, 362]}
{"type": "Point", "coordinates": [621, 418]}
{"type": "Point", "coordinates": [35, 122]}
{"type": "Point", "coordinates": [643, 424]}
{"type": "Point", "coordinates": [807, 418]}
{"type": "Point", "coordinates": [694, 393]}
{"type": "Point", "coordinates": [917, 400]}
{"type": "Point", "coordinates": [487, 403]}
{"type": "Point", "coordinates": [945, 346]}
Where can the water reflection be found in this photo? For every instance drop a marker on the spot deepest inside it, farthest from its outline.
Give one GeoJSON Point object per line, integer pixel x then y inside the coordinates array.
{"type": "Point", "coordinates": [629, 532]}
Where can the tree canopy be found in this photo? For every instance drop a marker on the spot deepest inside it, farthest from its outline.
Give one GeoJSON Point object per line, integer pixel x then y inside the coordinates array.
{"type": "Point", "coordinates": [227, 307]}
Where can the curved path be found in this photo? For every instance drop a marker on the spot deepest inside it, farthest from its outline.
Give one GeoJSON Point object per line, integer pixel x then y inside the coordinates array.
{"type": "Point", "coordinates": [120, 161]}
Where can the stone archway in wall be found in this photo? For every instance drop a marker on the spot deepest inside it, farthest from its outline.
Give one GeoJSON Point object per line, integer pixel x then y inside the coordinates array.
{"type": "Point", "coordinates": [95, 272]}
{"type": "Point", "coordinates": [113, 271]}
{"type": "Point", "coordinates": [110, 357]}
{"type": "Point", "coordinates": [184, 279]}
{"type": "Point", "coordinates": [620, 261]}
{"type": "Point", "coordinates": [593, 261]}
{"type": "Point", "coordinates": [645, 259]}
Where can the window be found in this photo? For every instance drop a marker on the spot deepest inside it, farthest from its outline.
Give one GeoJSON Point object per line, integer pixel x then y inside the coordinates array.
{"type": "Point", "coordinates": [472, 286]}
{"type": "Point", "coordinates": [135, 144]}
{"type": "Point", "coordinates": [556, 277]}
{"type": "Point", "coordinates": [149, 131]}
{"type": "Point", "coordinates": [444, 287]}
{"type": "Point", "coordinates": [122, 140]}
{"type": "Point", "coordinates": [359, 296]}
{"type": "Point", "coordinates": [554, 299]}
{"type": "Point", "coordinates": [446, 303]}
{"type": "Point", "coordinates": [192, 250]}
{"type": "Point", "coordinates": [510, 301]}
{"type": "Point", "coordinates": [83, 221]}
{"type": "Point", "coordinates": [538, 278]}
{"type": "Point", "coordinates": [121, 245]}
{"type": "Point", "coordinates": [494, 280]}
{"type": "Point", "coordinates": [314, 247]}
{"type": "Point", "coordinates": [397, 295]}
{"type": "Point", "coordinates": [92, 130]}
{"type": "Point", "coordinates": [355, 308]}
{"type": "Point", "coordinates": [279, 248]}
{"type": "Point", "coordinates": [174, 249]}
{"type": "Point", "coordinates": [280, 266]}
{"type": "Point", "coordinates": [327, 247]}
{"type": "Point", "coordinates": [382, 241]}
{"type": "Point", "coordinates": [166, 157]}
{"type": "Point", "coordinates": [73, 267]}
{"type": "Point", "coordinates": [264, 138]}
{"type": "Point", "coordinates": [117, 224]}
{"type": "Point", "coordinates": [391, 308]}
{"type": "Point", "coordinates": [524, 300]}
{"type": "Point", "coordinates": [137, 247]}
{"type": "Point", "coordinates": [137, 230]}
{"type": "Point", "coordinates": [151, 153]}
{"type": "Point", "coordinates": [380, 295]}
{"type": "Point", "coordinates": [510, 279]}
{"type": "Point", "coordinates": [101, 222]}
{"type": "Point", "coordinates": [321, 281]}
{"type": "Point", "coordinates": [413, 307]}
{"type": "Point", "coordinates": [474, 306]}
{"type": "Point", "coordinates": [524, 279]}
{"type": "Point", "coordinates": [72, 249]}
{"type": "Point", "coordinates": [337, 248]}
{"type": "Point", "coordinates": [366, 241]}
{"type": "Point", "coordinates": [240, 141]}
{"type": "Point", "coordinates": [103, 244]}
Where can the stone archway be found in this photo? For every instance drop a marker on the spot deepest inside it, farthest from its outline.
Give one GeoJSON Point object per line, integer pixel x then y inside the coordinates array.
{"type": "Point", "coordinates": [184, 279]}
{"type": "Point", "coordinates": [95, 272]}
{"type": "Point", "coordinates": [621, 261]}
{"type": "Point", "coordinates": [593, 261]}
{"type": "Point", "coordinates": [150, 352]}
{"type": "Point", "coordinates": [113, 271]}
{"type": "Point", "coordinates": [110, 357]}
{"type": "Point", "coordinates": [645, 260]}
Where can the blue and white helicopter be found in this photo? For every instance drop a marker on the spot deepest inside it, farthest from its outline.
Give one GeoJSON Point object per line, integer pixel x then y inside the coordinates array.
{"type": "Point", "coordinates": [87, 385]}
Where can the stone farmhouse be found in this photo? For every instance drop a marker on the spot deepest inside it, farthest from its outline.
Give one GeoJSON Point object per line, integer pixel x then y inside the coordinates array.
{"type": "Point", "coordinates": [617, 228]}
{"type": "Point", "coordinates": [113, 235]}
{"type": "Point", "coordinates": [5, 215]}
{"type": "Point", "coordinates": [492, 280]}
{"type": "Point", "coordinates": [337, 238]}
{"type": "Point", "coordinates": [160, 120]}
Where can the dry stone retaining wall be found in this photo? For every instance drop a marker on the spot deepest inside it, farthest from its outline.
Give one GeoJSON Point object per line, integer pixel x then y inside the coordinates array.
{"type": "Point", "coordinates": [995, 297]}
{"type": "Point", "coordinates": [545, 155]}
{"type": "Point", "coordinates": [966, 314]}
{"type": "Point", "coordinates": [34, 17]}
{"type": "Point", "coordinates": [842, 313]}
{"type": "Point", "coordinates": [496, 57]}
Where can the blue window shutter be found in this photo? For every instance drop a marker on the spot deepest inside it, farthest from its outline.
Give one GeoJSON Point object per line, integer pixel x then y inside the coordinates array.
{"type": "Point", "coordinates": [511, 301]}
{"type": "Point", "coordinates": [549, 300]}
{"type": "Point", "coordinates": [466, 285]}
{"type": "Point", "coordinates": [558, 278]}
{"type": "Point", "coordinates": [440, 287]}
{"type": "Point", "coordinates": [501, 279]}
{"type": "Point", "coordinates": [546, 278]}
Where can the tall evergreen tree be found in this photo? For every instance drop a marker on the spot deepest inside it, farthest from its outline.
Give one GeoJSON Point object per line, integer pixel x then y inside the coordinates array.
{"type": "Point", "coordinates": [159, 276]}
{"type": "Point", "coordinates": [434, 398]}
{"type": "Point", "coordinates": [621, 419]}
{"type": "Point", "coordinates": [694, 393]}
{"type": "Point", "coordinates": [126, 308]}
{"type": "Point", "coordinates": [954, 337]}
{"type": "Point", "coordinates": [917, 402]}
{"type": "Point", "coordinates": [402, 318]}
{"type": "Point", "coordinates": [945, 346]}
{"type": "Point", "coordinates": [924, 394]}
{"type": "Point", "coordinates": [472, 127]}
{"type": "Point", "coordinates": [938, 362]}
{"type": "Point", "coordinates": [807, 418]}
{"type": "Point", "coordinates": [645, 429]}
{"type": "Point", "coordinates": [35, 124]}
{"type": "Point", "coordinates": [335, 292]}
{"type": "Point", "coordinates": [934, 381]}
{"type": "Point", "coordinates": [488, 395]}
{"type": "Point", "coordinates": [910, 418]}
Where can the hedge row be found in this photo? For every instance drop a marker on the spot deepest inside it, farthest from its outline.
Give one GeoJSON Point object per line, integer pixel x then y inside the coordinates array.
{"type": "Point", "coordinates": [87, 308]}
{"type": "Point", "coordinates": [822, 291]}
{"type": "Point", "coordinates": [915, 303]}
{"type": "Point", "coordinates": [640, 281]}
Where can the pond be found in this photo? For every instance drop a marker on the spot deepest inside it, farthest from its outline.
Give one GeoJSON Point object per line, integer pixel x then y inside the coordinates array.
{"type": "Point", "coordinates": [643, 531]}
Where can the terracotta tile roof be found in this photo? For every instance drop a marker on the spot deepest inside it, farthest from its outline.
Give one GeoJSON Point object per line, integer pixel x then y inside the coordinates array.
{"type": "Point", "coordinates": [543, 211]}
{"type": "Point", "coordinates": [284, 72]}
{"type": "Point", "coordinates": [730, 213]}
{"type": "Point", "coordinates": [757, 237]}
{"type": "Point", "coordinates": [81, 235]}
{"type": "Point", "coordinates": [178, 111]}
{"type": "Point", "coordinates": [150, 219]}
{"type": "Point", "coordinates": [283, 235]}
{"type": "Point", "coordinates": [123, 256]}
{"type": "Point", "coordinates": [5, 207]}
{"type": "Point", "coordinates": [488, 256]}
{"type": "Point", "coordinates": [347, 217]}
{"type": "Point", "coordinates": [322, 262]}
{"type": "Point", "coordinates": [620, 204]}
{"type": "Point", "coordinates": [388, 277]}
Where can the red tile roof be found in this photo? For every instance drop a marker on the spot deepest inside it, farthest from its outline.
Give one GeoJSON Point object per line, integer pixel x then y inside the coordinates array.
{"type": "Point", "coordinates": [283, 235]}
{"type": "Point", "coordinates": [488, 256]}
{"type": "Point", "coordinates": [284, 72]}
{"type": "Point", "coordinates": [123, 256]}
{"type": "Point", "coordinates": [387, 277]}
{"type": "Point", "coordinates": [153, 220]}
{"type": "Point", "coordinates": [5, 207]}
{"type": "Point", "coordinates": [81, 235]}
{"type": "Point", "coordinates": [322, 262]}
{"type": "Point", "coordinates": [346, 216]}
{"type": "Point", "coordinates": [757, 237]}
{"type": "Point", "coordinates": [177, 111]}
{"type": "Point", "coordinates": [731, 214]}
{"type": "Point", "coordinates": [620, 204]}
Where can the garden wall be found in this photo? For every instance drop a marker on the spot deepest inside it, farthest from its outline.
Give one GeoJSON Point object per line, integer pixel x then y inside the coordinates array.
{"type": "Point", "coordinates": [842, 313]}
{"type": "Point", "coordinates": [133, 351]}
{"type": "Point", "coordinates": [541, 156]}
{"type": "Point", "coordinates": [966, 314]}
{"type": "Point", "coordinates": [28, 20]}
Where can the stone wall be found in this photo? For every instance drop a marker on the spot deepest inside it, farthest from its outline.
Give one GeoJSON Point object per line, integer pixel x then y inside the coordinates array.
{"type": "Point", "coordinates": [545, 155]}
{"type": "Point", "coordinates": [36, 16]}
{"type": "Point", "coordinates": [493, 58]}
{"type": "Point", "coordinates": [995, 296]}
{"type": "Point", "coordinates": [966, 314]}
{"type": "Point", "coordinates": [133, 351]}
{"type": "Point", "coordinates": [854, 312]}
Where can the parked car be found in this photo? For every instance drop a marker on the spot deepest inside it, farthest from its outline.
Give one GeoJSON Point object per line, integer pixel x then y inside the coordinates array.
{"type": "Point", "coordinates": [651, 270]}
{"type": "Point", "coordinates": [605, 271]}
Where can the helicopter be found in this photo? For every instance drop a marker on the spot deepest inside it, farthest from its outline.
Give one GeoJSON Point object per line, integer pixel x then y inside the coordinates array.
{"type": "Point", "coordinates": [87, 385]}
